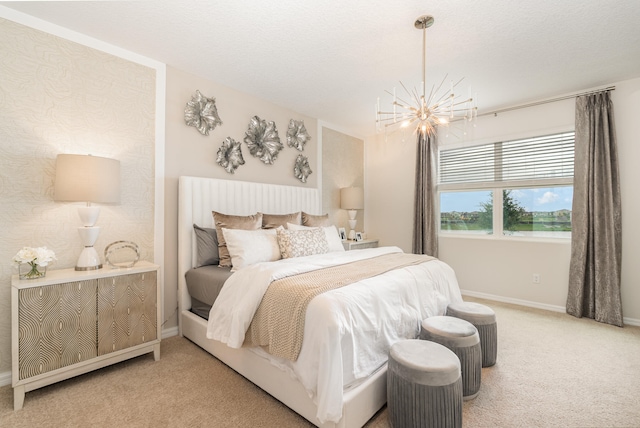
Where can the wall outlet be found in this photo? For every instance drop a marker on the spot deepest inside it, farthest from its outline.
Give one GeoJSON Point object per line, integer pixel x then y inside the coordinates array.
{"type": "Point", "coordinates": [536, 278]}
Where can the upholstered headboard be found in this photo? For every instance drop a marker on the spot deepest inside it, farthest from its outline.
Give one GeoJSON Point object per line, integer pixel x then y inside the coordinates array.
{"type": "Point", "coordinates": [198, 196]}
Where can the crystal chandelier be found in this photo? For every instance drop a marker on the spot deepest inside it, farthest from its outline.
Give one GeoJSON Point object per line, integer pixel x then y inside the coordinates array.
{"type": "Point", "coordinates": [440, 107]}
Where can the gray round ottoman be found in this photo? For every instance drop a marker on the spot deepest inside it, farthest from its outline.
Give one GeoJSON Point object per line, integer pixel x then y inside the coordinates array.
{"type": "Point", "coordinates": [484, 319]}
{"type": "Point", "coordinates": [424, 385]}
{"type": "Point", "coordinates": [462, 338]}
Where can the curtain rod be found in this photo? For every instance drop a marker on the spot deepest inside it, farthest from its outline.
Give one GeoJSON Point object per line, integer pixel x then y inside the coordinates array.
{"type": "Point", "coordinates": [551, 100]}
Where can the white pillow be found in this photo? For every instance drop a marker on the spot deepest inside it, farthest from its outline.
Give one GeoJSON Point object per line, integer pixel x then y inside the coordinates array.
{"type": "Point", "coordinates": [333, 237]}
{"type": "Point", "coordinates": [299, 243]}
{"type": "Point", "coordinates": [248, 247]}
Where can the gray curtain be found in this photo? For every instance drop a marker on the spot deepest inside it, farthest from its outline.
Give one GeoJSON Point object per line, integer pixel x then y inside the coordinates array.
{"type": "Point", "coordinates": [596, 238]}
{"type": "Point", "coordinates": [425, 229]}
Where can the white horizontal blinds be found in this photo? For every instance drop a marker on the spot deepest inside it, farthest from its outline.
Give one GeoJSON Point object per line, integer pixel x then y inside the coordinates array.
{"type": "Point", "coordinates": [517, 162]}
{"type": "Point", "coordinates": [542, 157]}
{"type": "Point", "coordinates": [467, 165]}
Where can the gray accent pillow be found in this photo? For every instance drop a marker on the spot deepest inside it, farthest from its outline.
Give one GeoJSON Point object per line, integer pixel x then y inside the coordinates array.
{"type": "Point", "coordinates": [207, 246]}
{"type": "Point", "coordinates": [273, 221]}
{"type": "Point", "coordinates": [315, 220]}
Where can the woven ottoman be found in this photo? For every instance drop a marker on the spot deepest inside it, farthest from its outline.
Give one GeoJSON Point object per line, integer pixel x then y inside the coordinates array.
{"type": "Point", "coordinates": [484, 319]}
{"type": "Point", "coordinates": [424, 385]}
{"type": "Point", "coordinates": [462, 338]}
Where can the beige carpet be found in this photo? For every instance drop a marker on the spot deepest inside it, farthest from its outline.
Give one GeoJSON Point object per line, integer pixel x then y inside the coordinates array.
{"type": "Point", "coordinates": [553, 371]}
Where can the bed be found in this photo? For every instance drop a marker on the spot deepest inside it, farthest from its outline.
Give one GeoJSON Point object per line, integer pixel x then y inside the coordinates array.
{"type": "Point", "coordinates": [360, 398]}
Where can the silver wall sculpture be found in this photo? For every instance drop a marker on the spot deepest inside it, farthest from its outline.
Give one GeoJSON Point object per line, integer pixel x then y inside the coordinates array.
{"type": "Point", "coordinates": [297, 135]}
{"type": "Point", "coordinates": [230, 155]}
{"type": "Point", "coordinates": [301, 169]}
{"type": "Point", "coordinates": [202, 113]}
{"type": "Point", "coordinates": [262, 139]}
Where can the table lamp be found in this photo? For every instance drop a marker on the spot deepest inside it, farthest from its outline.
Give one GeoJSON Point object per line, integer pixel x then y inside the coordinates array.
{"type": "Point", "coordinates": [90, 179]}
{"type": "Point", "coordinates": [352, 199]}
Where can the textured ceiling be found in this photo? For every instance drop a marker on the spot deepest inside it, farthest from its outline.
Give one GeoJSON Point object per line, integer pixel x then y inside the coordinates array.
{"type": "Point", "coordinates": [332, 59]}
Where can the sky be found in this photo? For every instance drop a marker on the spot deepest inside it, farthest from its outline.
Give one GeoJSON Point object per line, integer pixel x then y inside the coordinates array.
{"type": "Point", "coordinates": [539, 199]}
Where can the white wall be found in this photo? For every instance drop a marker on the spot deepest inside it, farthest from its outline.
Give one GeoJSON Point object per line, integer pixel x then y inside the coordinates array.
{"type": "Point", "coordinates": [502, 267]}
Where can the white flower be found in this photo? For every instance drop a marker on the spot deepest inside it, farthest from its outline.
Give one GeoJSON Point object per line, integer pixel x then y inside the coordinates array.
{"type": "Point", "coordinates": [40, 256]}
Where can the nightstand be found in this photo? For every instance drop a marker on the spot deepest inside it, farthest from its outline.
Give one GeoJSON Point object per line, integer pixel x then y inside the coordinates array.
{"type": "Point", "coordinates": [72, 322]}
{"type": "Point", "coordinates": [359, 245]}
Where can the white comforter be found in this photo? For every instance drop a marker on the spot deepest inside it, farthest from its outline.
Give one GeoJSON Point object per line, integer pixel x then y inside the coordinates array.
{"type": "Point", "coordinates": [348, 331]}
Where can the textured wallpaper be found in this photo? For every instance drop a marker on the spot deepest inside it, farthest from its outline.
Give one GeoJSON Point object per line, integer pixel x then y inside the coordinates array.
{"type": "Point", "coordinates": [58, 96]}
{"type": "Point", "coordinates": [342, 166]}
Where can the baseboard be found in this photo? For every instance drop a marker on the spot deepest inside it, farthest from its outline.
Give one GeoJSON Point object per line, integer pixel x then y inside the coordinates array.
{"type": "Point", "coordinates": [169, 332]}
{"type": "Point", "coordinates": [530, 304]}
{"type": "Point", "coordinates": [5, 378]}
{"type": "Point", "coordinates": [520, 302]}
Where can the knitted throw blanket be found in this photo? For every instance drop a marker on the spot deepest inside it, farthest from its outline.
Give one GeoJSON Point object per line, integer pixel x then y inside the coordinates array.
{"type": "Point", "coordinates": [278, 324]}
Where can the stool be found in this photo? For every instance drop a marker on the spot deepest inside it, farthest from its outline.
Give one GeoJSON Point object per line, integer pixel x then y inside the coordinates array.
{"type": "Point", "coordinates": [484, 319]}
{"type": "Point", "coordinates": [462, 338]}
{"type": "Point", "coordinates": [424, 385]}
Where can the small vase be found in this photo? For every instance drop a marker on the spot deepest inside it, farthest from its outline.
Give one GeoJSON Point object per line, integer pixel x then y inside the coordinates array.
{"type": "Point", "coordinates": [31, 271]}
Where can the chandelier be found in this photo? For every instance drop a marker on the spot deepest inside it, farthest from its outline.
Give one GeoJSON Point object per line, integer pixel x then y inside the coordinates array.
{"type": "Point", "coordinates": [441, 107]}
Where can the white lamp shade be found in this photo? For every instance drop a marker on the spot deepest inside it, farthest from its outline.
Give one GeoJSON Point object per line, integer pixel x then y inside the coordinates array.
{"type": "Point", "coordinates": [351, 198]}
{"type": "Point", "coordinates": [85, 178]}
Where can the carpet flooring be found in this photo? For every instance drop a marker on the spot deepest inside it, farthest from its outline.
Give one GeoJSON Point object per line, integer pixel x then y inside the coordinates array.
{"type": "Point", "coordinates": [552, 370]}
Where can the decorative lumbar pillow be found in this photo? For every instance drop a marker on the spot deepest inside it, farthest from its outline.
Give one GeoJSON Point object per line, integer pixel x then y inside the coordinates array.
{"type": "Point", "coordinates": [247, 247]}
{"type": "Point", "coordinates": [315, 220]}
{"type": "Point", "coordinates": [298, 243]}
{"type": "Point", "coordinates": [272, 221]}
{"type": "Point", "coordinates": [207, 246]}
{"type": "Point", "coordinates": [333, 237]}
{"type": "Point", "coordinates": [250, 222]}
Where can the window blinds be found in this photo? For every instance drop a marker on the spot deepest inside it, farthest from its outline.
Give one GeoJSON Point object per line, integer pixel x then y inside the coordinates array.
{"type": "Point", "coordinates": [512, 163]}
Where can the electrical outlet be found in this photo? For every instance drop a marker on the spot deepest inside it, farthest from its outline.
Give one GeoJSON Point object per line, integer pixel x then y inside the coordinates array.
{"type": "Point", "coordinates": [536, 278]}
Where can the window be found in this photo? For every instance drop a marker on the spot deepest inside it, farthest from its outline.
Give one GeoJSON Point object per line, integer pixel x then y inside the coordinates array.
{"type": "Point", "coordinates": [460, 212]}
{"type": "Point", "coordinates": [529, 180]}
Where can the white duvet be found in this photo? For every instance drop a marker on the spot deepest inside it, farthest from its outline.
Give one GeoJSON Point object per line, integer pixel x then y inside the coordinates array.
{"type": "Point", "coordinates": [348, 331]}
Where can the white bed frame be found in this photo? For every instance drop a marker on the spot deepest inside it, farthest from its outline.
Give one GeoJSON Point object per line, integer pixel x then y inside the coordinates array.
{"type": "Point", "coordinates": [197, 198]}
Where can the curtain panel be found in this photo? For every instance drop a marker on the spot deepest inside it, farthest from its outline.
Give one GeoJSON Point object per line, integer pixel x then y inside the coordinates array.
{"type": "Point", "coordinates": [596, 238]}
{"type": "Point", "coordinates": [425, 229]}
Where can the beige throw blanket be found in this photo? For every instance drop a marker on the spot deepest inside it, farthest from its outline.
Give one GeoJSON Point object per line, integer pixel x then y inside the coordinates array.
{"type": "Point", "coordinates": [278, 323]}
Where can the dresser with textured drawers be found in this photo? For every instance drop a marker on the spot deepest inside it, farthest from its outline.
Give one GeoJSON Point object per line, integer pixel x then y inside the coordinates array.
{"type": "Point", "coordinates": [72, 322]}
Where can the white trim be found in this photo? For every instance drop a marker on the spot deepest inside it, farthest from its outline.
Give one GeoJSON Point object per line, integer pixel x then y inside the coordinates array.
{"type": "Point", "coordinates": [158, 218]}
{"type": "Point", "coordinates": [83, 39]}
{"type": "Point", "coordinates": [5, 378]}
{"type": "Point", "coordinates": [527, 303]}
{"type": "Point", "coordinates": [531, 304]}
{"type": "Point", "coordinates": [338, 128]}
{"type": "Point", "coordinates": [169, 332]}
{"type": "Point", "coordinates": [506, 184]}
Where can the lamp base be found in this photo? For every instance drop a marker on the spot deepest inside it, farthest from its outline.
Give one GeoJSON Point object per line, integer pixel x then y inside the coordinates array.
{"type": "Point", "coordinates": [352, 224]}
{"type": "Point", "coordinates": [88, 260]}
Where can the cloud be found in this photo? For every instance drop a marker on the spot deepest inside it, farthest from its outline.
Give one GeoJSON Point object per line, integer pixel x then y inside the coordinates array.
{"type": "Point", "coordinates": [547, 198]}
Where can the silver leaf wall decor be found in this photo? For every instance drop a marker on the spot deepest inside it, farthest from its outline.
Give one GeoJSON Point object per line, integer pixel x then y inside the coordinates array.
{"type": "Point", "coordinates": [297, 135]}
{"type": "Point", "coordinates": [262, 139]}
{"type": "Point", "coordinates": [230, 155]}
{"type": "Point", "coordinates": [302, 170]}
{"type": "Point", "coordinates": [202, 113]}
